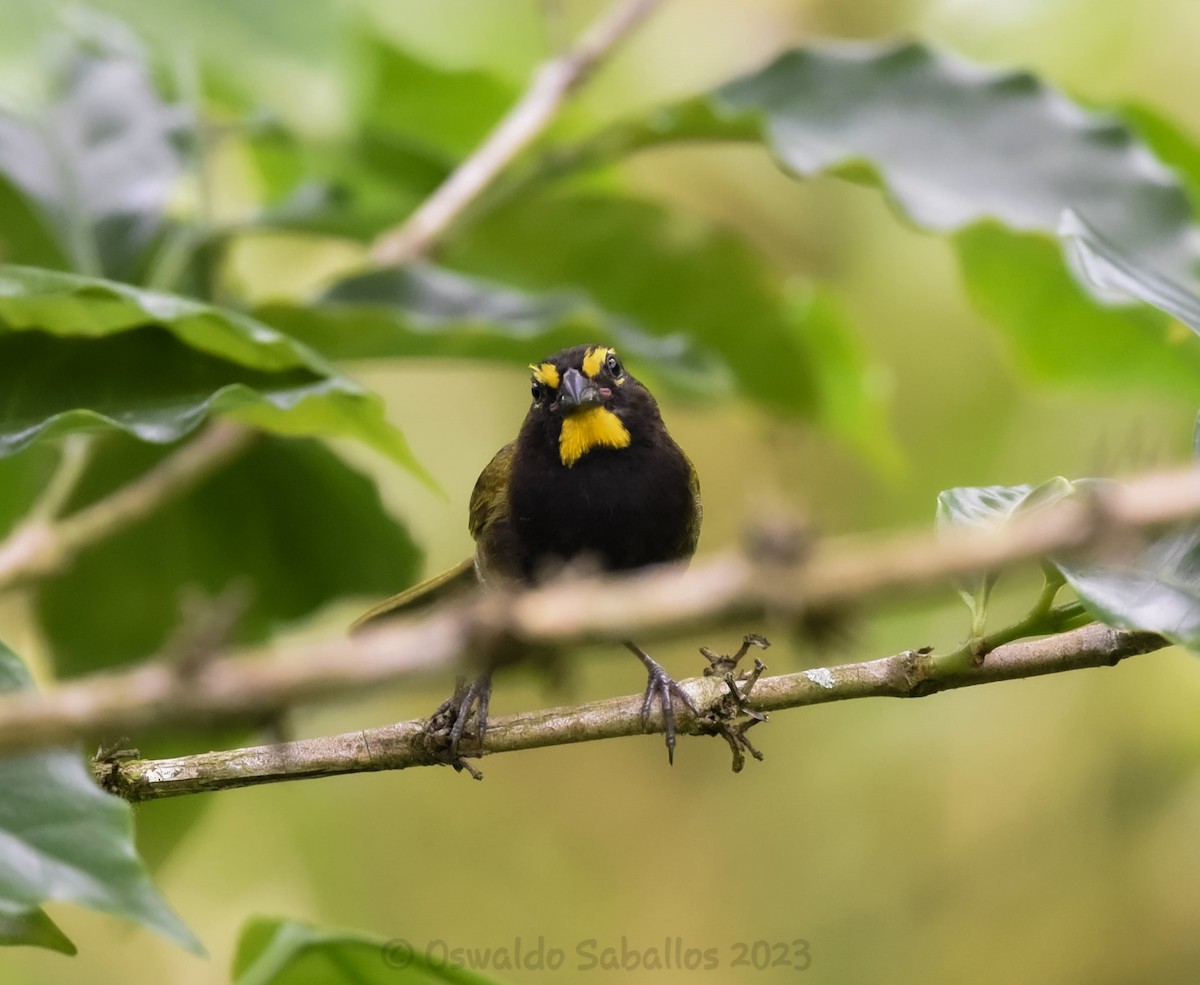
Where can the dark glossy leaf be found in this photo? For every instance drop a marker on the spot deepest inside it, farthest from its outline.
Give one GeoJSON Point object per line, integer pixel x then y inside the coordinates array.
{"type": "Point", "coordinates": [288, 520]}
{"type": "Point", "coordinates": [997, 157]}
{"type": "Point", "coordinates": [97, 165]}
{"type": "Point", "coordinates": [78, 353]}
{"type": "Point", "coordinates": [285, 952]}
{"type": "Point", "coordinates": [956, 143]}
{"type": "Point", "coordinates": [63, 839]}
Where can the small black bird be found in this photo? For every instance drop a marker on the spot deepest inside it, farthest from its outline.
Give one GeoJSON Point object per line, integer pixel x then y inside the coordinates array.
{"type": "Point", "coordinates": [593, 475]}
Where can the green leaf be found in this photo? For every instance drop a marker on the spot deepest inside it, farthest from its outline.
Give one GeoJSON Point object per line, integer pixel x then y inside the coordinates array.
{"type": "Point", "coordinates": [413, 121]}
{"type": "Point", "coordinates": [94, 170]}
{"type": "Point", "coordinates": [673, 276]}
{"type": "Point", "coordinates": [77, 353]}
{"type": "Point", "coordinates": [1059, 333]}
{"type": "Point", "coordinates": [63, 839]}
{"type": "Point", "coordinates": [288, 520]}
{"type": "Point", "coordinates": [945, 138]}
{"type": "Point", "coordinates": [23, 478]}
{"type": "Point", "coordinates": [355, 188]}
{"type": "Point", "coordinates": [996, 157]}
{"type": "Point", "coordinates": [1153, 587]}
{"type": "Point", "coordinates": [1170, 144]}
{"type": "Point", "coordinates": [1117, 279]}
{"type": "Point", "coordinates": [35, 929]}
{"type": "Point", "coordinates": [445, 110]}
{"type": "Point", "coordinates": [285, 952]}
{"type": "Point", "coordinates": [990, 507]}
{"type": "Point", "coordinates": [421, 310]}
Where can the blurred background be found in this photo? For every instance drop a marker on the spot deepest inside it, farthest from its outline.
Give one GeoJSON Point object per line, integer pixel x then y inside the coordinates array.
{"type": "Point", "coordinates": [1044, 828]}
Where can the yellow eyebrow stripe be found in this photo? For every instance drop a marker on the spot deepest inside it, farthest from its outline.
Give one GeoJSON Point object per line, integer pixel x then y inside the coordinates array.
{"type": "Point", "coordinates": [593, 361]}
{"type": "Point", "coordinates": [546, 373]}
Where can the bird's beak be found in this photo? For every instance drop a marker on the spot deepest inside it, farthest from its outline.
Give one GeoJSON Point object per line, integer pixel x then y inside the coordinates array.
{"type": "Point", "coordinates": [576, 392]}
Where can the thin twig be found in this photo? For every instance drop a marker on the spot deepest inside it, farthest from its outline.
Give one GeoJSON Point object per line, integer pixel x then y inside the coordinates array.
{"type": "Point", "coordinates": [552, 82]}
{"type": "Point", "coordinates": [40, 545]}
{"type": "Point", "coordinates": [399, 746]}
{"type": "Point", "coordinates": [644, 605]}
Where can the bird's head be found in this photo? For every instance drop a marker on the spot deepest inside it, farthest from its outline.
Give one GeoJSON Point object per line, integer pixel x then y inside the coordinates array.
{"type": "Point", "coordinates": [584, 400]}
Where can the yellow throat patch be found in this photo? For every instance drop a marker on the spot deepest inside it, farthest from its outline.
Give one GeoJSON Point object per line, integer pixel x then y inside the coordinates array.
{"type": "Point", "coordinates": [595, 427]}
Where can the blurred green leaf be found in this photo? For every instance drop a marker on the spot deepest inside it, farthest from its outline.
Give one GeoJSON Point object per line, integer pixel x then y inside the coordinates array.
{"type": "Point", "coordinates": [95, 169]}
{"type": "Point", "coordinates": [422, 310]}
{"type": "Point", "coordinates": [412, 121]}
{"type": "Point", "coordinates": [63, 839]}
{"type": "Point", "coordinates": [990, 506]}
{"type": "Point", "coordinates": [1061, 334]}
{"type": "Point", "coordinates": [446, 110]}
{"type": "Point", "coordinates": [23, 477]}
{"type": "Point", "coordinates": [285, 952]}
{"type": "Point", "coordinates": [355, 187]}
{"type": "Point", "coordinates": [1153, 587]}
{"type": "Point", "coordinates": [80, 353]}
{"type": "Point", "coordinates": [1117, 279]}
{"type": "Point", "coordinates": [1170, 143]}
{"type": "Point", "coordinates": [288, 519]}
{"type": "Point", "coordinates": [35, 929]}
{"type": "Point", "coordinates": [666, 274]}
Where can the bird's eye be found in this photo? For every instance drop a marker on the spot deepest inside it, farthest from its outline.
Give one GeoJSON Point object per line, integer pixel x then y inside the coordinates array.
{"type": "Point", "coordinates": [538, 390]}
{"type": "Point", "coordinates": [613, 364]}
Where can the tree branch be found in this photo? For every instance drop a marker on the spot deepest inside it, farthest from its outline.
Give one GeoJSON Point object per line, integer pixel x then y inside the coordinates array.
{"type": "Point", "coordinates": [552, 82]}
{"type": "Point", "coordinates": [777, 581]}
{"type": "Point", "coordinates": [41, 545]}
{"type": "Point", "coordinates": [393, 747]}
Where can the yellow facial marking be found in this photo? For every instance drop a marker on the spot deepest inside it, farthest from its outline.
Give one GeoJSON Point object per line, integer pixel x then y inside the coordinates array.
{"type": "Point", "coordinates": [596, 427]}
{"type": "Point", "coordinates": [593, 361]}
{"type": "Point", "coordinates": [546, 373]}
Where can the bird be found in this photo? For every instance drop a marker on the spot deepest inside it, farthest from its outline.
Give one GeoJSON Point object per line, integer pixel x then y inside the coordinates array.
{"type": "Point", "coordinates": [593, 477]}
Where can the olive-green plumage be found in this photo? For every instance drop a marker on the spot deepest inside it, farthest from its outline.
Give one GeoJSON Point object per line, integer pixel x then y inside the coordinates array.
{"type": "Point", "coordinates": [593, 474]}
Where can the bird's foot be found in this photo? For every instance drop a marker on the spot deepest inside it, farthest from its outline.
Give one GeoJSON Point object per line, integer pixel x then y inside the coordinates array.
{"type": "Point", "coordinates": [731, 717]}
{"type": "Point", "coordinates": [661, 687]}
{"type": "Point", "coordinates": [447, 726]}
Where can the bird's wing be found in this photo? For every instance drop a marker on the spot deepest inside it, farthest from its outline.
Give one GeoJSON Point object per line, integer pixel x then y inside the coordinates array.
{"type": "Point", "coordinates": [489, 498]}
{"type": "Point", "coordinates": [458, 579]}
{"type": "Point", "coordinates": [489, 505]}
{"type": "Point", "coordinates": [692, 535]}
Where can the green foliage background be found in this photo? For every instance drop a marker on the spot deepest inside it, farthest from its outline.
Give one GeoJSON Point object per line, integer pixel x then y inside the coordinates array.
{"type": "Point", "coordinates": [1037, 829]}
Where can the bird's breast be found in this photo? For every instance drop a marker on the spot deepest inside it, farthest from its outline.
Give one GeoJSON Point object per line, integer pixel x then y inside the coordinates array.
{"type": "Point", "coordinates": [623, 508]}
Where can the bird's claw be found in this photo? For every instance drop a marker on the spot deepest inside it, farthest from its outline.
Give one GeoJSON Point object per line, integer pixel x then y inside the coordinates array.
{"type": "Point", "coordinates": [731, 717]}
{"type": "Point", "coordinates": [446, 727]}
{"type": "Point", "coordinates": [661, 687]}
